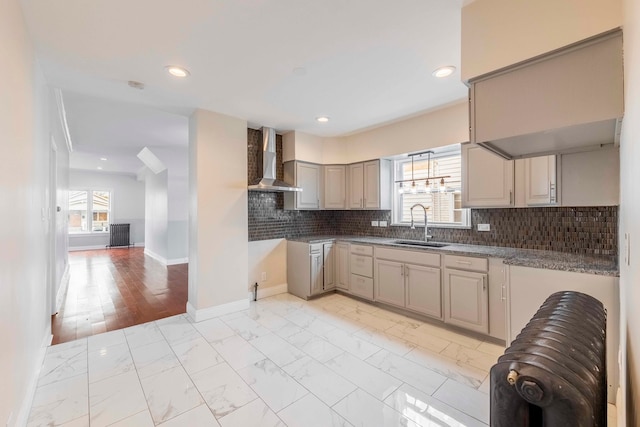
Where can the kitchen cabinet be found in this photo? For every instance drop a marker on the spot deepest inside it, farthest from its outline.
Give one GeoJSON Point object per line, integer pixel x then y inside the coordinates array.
{"type": "Point", "coordinates": [487, 179]}
{"type": "Point", "coordinates": [361, 265]}
{"type": "Point", "coordinates": [540, 181]}
{"type": "Point", "coordinates": [329, 265]}
{"type": "Point", "coordinates": [335, 187]}
{"type": "Point", "coordinates": [498, 287]}
{"type": "Point", "coordinates": [466, 301]}
{"type": "Point", "coordinates": [566, 100]}
{"type": "Point", "coordinates": [530, 287]}
{"type": "Point", "coordinates": [306, 176]}
{"type": "Point", "coordinates": [310, 268]}
{"type": "Point", "coordinates": [342, 266]}
{"type": "Point", "coordinates": [408, 279]}
{"type": "Point", "coordinates": [370, 185]}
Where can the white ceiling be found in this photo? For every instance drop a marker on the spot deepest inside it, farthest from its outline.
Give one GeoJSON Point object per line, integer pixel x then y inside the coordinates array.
{"type": "Point", "coordinates": [366, 62]}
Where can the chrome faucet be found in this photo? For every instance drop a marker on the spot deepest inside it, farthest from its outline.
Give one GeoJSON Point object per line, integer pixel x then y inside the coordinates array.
{"type": "Point", "coordinates": [426, 225]}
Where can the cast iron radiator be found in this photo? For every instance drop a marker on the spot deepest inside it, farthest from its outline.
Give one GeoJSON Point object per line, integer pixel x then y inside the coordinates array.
{"type": "Point", "coordinates": [554, 373]}
{"type": "Point", "coordinates": [119, 235]}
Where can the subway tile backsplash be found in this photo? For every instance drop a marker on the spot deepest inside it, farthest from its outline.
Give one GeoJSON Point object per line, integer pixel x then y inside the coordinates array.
{"type": "Point", "coordinates": [584, 230]}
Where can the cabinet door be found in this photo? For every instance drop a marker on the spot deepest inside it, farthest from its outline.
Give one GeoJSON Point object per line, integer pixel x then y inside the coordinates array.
{"type": "Point", "coordinates": [497, 298]}
{"type": "Point", "coordinates": [308, 178]}
{"type": "Point", "coordinates": [335, 187]}
{"type": "Point", "coordinates": [423, 290]}
{"type": "Point", "coordinates": [356, 186]}
{"type": "Point", "coordinates": [372, 185]}
{"type": "Point", "coordinates": [329, 267]}
{"type": "Point", "coordinates": [466, 300]}
{"type": "Point", "coordinates": [487, 179]}
{"type": "Point", "coordinates": [540, 180]}
{"type": "Point", "coordinates": [317, 279]}
{"type": "Point", "coordinates": [389, 282]}
{"type": "Point", "coordinates": [362, 286]}
{"type": "Point", "coordinates": [342, 266]}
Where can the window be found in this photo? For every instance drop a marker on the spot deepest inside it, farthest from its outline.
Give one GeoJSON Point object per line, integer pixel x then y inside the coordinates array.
{"type": "Point", "coordinates": [89, 211]}
{"type": "Point", "coordinates": [444, 203]}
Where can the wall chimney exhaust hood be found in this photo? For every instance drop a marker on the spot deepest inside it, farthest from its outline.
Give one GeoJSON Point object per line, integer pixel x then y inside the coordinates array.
{"type": "Point", "coordinates": [568, 100]}
{"type": "Point", "coordinates": [268, 182]}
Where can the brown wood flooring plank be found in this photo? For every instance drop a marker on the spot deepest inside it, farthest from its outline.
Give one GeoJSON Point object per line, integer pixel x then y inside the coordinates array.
{"type": "Point", "coordinates": [117, 288]}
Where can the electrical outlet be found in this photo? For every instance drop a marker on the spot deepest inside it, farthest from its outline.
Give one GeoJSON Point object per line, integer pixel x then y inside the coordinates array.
{"type": "Point", "coordinates": [484, 227]}
{"type": "Point", "coordinates": [263, 276]}
{"type": "Point", "coordinates": [383, 223]}
{"type": "Point", "coordinates": [374, 223]}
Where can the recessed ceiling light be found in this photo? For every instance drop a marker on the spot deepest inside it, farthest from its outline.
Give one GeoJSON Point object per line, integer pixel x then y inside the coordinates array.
{"type": "Point", "coordinates": [444, 71]}
{"type": "Point", "coordinates": [322, 119]}
{"type": "Point", "coordinates": [300, 71]}
{"type": "Point", "coordinates": [176, 71]}
{"type": "Point", "coordinates": [104, 159]}
{"type": "Point", "coordinates": [99, 167]}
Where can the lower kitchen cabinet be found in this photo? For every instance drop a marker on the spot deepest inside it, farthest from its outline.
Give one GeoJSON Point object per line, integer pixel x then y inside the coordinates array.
{"type": "Point", "coordinates": [389, 278]}
{"type": "Point", "coordinates": [362, 286]}
{"type": "Point", "coordinates": [423, 290]}
{"type": "Point", "coordinates": [342, 266]}
{"type": "Point", "coordinates": [329, 263]}
{"type": "Point", "coordinates": [310, 268]}
{"type": "Point", "coordinates": [466, 300]}
{"type": "Point", "coordinates": [408, 285]}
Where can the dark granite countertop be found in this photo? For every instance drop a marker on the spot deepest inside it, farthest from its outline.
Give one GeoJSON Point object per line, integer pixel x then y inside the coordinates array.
{"type": "Point", "coordinates": [590, 264]}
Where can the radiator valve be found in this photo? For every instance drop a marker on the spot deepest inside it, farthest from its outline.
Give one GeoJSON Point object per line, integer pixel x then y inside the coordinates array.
{"type": "Point", "coordinates": [512, 377]}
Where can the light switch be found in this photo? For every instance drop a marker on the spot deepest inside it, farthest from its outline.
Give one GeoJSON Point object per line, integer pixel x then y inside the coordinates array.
{"type": "Point", "coordinates": [484, 227]}
{"type": "Point", "coordinates": [383, 223]}
{"type": "Point", "coordinates": [374, 223]}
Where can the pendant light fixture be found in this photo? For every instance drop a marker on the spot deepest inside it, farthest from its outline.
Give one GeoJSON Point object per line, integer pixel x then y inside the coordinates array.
{"type": "Point", "coordinates": [414, 188]}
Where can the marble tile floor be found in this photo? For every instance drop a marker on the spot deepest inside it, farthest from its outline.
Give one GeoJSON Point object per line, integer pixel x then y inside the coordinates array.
{"type": "Point", "coordinates": [332, 361]}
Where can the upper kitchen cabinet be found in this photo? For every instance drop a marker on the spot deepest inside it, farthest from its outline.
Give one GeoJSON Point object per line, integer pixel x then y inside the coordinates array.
{"type": "Point", "coordinates": [335, 187]}
{"type": "Point", "coordinates": [567, 100]}
{"type": "Point", "coordinates": [370, 185]}
{"type": "Point", "coordinates": [538, 185]}
{"type": "Point", "coordinates": [306, 176]}
{"type": "Point", "coordinates": [487, 179]}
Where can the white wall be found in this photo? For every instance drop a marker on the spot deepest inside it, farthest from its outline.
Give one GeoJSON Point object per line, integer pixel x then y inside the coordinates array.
{"type": "Point", "coordinates": [269, 256]}
{"type": "Point", "coordinates": [218, 235]}
{"type": "Point", "coordinates": [156, 208]}
{"type": "Point", "coordinates": [127, 205]}
{"type": "Point", "coordinates": [24, 169]}
{"type": "Point", "coordinates": [497, 33]}
{"type": "Point", "coordinates": [177, 161]}
{"type": "Point", "coordinates": [443, 126]}
{"type": "Point", "coordinates": [630, 212]}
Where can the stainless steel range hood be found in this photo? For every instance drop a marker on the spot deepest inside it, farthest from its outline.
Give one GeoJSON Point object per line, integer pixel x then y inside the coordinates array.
{"type": "Point", "coordinates": [268, 182]}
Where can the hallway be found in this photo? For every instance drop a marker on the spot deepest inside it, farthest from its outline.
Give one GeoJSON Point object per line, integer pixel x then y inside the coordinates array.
{"type": "Point", "coordinates": [117, 288]}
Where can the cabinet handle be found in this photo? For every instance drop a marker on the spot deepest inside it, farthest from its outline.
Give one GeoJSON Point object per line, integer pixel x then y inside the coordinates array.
{"type": "Point", "coordinates": [402, 271]}
{"type": "Point", "coordinates": [552, 193]}
{"type": "Point", "coordinates": [484, 283]}
{"type": "Point", "coordinates": [510, 197]}
{"type": "Point", "coordinates": [502, 297]}
{"type": "Point", "coordinates": [463, 262]}
{"type": "Point", "coordinates": [406, 271]}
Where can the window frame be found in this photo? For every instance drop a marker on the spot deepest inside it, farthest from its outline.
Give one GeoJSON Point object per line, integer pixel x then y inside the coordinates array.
{"type": "Point", "coordinates": [90, 210]}
{"type": "Point", "coordinates": [396, 210]}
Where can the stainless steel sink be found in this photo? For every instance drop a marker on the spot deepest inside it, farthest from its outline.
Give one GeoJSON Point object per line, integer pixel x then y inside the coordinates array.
{"type": "Point", "coordinates": [420, 243]}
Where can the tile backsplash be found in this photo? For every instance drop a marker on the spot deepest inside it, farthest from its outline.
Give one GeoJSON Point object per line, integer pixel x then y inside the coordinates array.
{"type": "Point", "coordinates": [584, 230]}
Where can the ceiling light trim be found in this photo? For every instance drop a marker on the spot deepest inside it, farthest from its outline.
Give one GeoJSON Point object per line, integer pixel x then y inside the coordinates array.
{"type": "Point", "coordinates": [177, 71]}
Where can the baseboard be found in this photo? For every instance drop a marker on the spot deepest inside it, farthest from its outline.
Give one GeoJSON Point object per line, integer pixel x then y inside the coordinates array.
{"type": "Point", "coordinates": [138, 245]}
{"type": "Point", "coordinates": [269, 291]}
{"type": "Point", "coordinates": [86, 248]}
{"type": "Point", "coordinates": [23, 413]}
{"type": "Point", "coordinates": [216, 311]}
{"type": "Point", "coordinates": [165, 261]}
{"type": "Point", "coordinates": [155, 256]}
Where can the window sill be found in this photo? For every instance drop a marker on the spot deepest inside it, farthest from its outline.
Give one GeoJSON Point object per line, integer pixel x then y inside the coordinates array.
{"type": "Point", "coordinates": [88, 233]}
{"type": "Point", "coordinates": [404, 224]}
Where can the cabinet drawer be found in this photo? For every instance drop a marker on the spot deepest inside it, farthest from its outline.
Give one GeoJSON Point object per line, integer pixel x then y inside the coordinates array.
{"type": "Point", "coordinates": [362, 286]}
{"type": "Point", "coordinates": [362, 250]}
{"type": "Point", "coordinates": [362, 265]}
{"type": "Point", "coordinates": [412, 257]}
{"type": "Point", "coordinates": [466, 263]}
